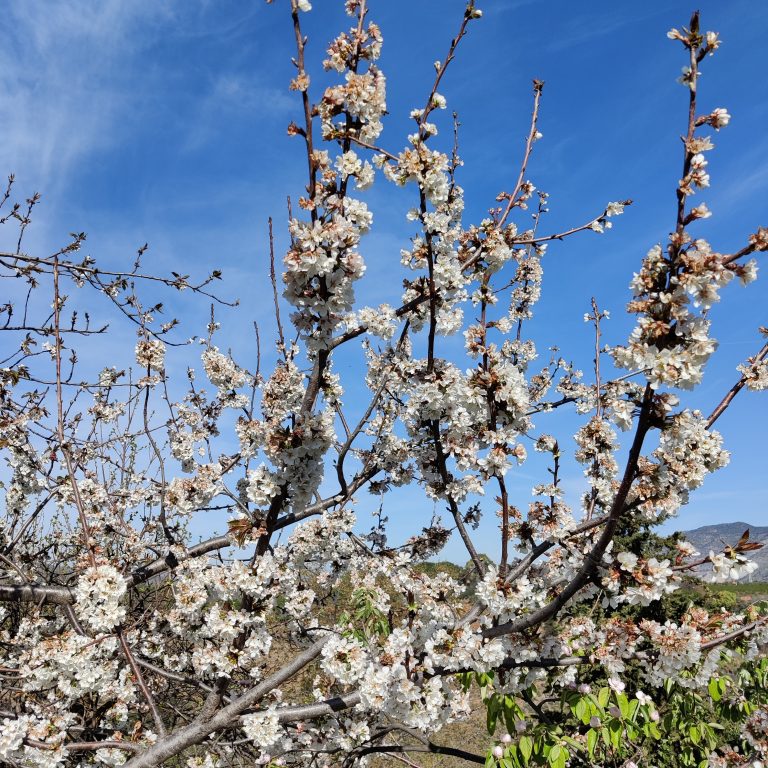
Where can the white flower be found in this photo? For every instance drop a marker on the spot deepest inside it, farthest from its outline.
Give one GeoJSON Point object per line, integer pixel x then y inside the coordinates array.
{"type": "Point", "coordinates": [616, 684]}
{"type": "Point", "coordinates": [439, 101]}
{"type": "Point", "coordinates": [150, 353]}
{"type": "Point", "coordinates": [378, 321]}
{"type": "Point", "coordinates": [729, 568]}
{"type": "Point", "coordinates": [755, 374]}
{"type": "Point", "coordinates": [365, 176]}
{"type": "Point", "coordinates": [686, 549]}
{"type": "Point", "coordinates": [207, 761]}
{"type": "Point", "coordinates": [348, 164]}
{"type": "Point", "coordinates": [222, 370]}
{"type": "Point", "coordinates": [263, 486]}
{"type": "Point", "coordinates": [188, 494]}
{"type": "Point", "coordinates": [113, 757]}
{"type": "Point", "coordinates": [701, 211]}
{"type": "Point", "coordinates": [262, 728]}
{"type": "Point", "coordinates": [719, 118]}
{"type": "Point", "coordinates": [304, 5]}
{"type": "Point", "coordinates": [12, 734]}
{"type": "Point", "coordinates": [627, 560]}
{"type": "Point", "coordinates": [748, 272]}
{"type": "Point", "coordinates": [545, 443]}
{"type": "Point", "coordinates": [98, 594]}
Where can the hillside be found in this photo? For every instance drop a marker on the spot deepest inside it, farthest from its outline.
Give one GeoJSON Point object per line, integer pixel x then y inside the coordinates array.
{"type": "Point", "coordinates": [714, 537]}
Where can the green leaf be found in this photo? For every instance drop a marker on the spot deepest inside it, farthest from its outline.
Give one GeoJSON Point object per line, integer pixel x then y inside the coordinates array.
{"type": "Point", "coordinates": [581, 710]}
{"type": "Point", "coordinates": [554, 754]}
{"type": "Point", "coordinates": [694, 734]}
{"type": "Point", "coordinates": [571, 697]}
{"type": "Point", "coordinates": [591, 742]}
{"type": "Point", "coordinates": [525, 746]}
{"type": "Point", "coordinates": [484, 678]}
{"type": "Point", "coordinates": [603, 697]}
{"type": "Point", "coordinates": [714, 689]}
{"type": "Point", "coordinates": [623, 703]}
{"type": "Point", "coordinates": [558, 757]}
{"type": "Point", "coordinates": [493, 707]}
{"type": "Point", "coordinates": [512, 713]}
{"type": "Point", "coordinates": [615, 729]}
{"type": "Point", "coordinates": [572, 742]}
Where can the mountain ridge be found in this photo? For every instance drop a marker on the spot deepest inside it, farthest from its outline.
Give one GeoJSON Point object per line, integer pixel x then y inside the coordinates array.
{"type": "Point", "coordinates": [715, 537]}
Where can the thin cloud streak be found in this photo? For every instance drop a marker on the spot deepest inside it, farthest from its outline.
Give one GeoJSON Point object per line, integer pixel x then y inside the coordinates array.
{"type": "Point", "coordinates": [587, 29]}
{"type": "Point", "coordinates": [61, 80]}
{"type": "Point", "coordinates": [233, 96]}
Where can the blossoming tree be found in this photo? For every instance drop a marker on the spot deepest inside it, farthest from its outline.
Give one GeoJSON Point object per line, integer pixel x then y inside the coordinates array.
{"type": "Point", "coordinates": [125, 643]}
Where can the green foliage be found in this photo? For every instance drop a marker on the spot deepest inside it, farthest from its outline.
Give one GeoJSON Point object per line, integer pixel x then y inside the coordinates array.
{"type": "Point", "coordinates": [605, 727]}
{"type": "Point", "coordinates": [446, 567]}
{"type": "Point", "coordinates": [365, 617]}
{"type": "Point", "coordinates": [757, 588]}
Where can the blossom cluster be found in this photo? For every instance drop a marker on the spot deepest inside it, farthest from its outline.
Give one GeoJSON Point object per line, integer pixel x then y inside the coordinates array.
{"type": "Point", "coordinates": [98, 597]}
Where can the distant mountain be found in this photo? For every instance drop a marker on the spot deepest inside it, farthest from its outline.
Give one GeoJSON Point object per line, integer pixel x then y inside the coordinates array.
{"type": "Point", "coordinates": [715, 537]}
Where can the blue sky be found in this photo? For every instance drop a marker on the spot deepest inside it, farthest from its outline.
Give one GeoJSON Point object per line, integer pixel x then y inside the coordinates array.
{"type": "Point", "coordinates": [163, 121]}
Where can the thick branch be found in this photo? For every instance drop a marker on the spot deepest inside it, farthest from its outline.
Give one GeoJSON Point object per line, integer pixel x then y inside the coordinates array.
{"type": "Point", "coordinates": [200, 729]}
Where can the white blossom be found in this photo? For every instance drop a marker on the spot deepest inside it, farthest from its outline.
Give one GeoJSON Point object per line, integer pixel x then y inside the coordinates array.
{"type": "Point", "coordinates": [98, 594]}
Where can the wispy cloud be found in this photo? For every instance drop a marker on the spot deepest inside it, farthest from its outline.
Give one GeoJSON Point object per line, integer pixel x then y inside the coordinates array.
{"type": "Point", "coordinates": [63, 68]}
{"type": "Point", "coordinates": [234, 96]}
{"type": "Point", "coordinates": [508, 6]}
{"type": "Point", "coordinates": [749, 185]}
{"type": "Point", "coordinates": [584, 28]}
